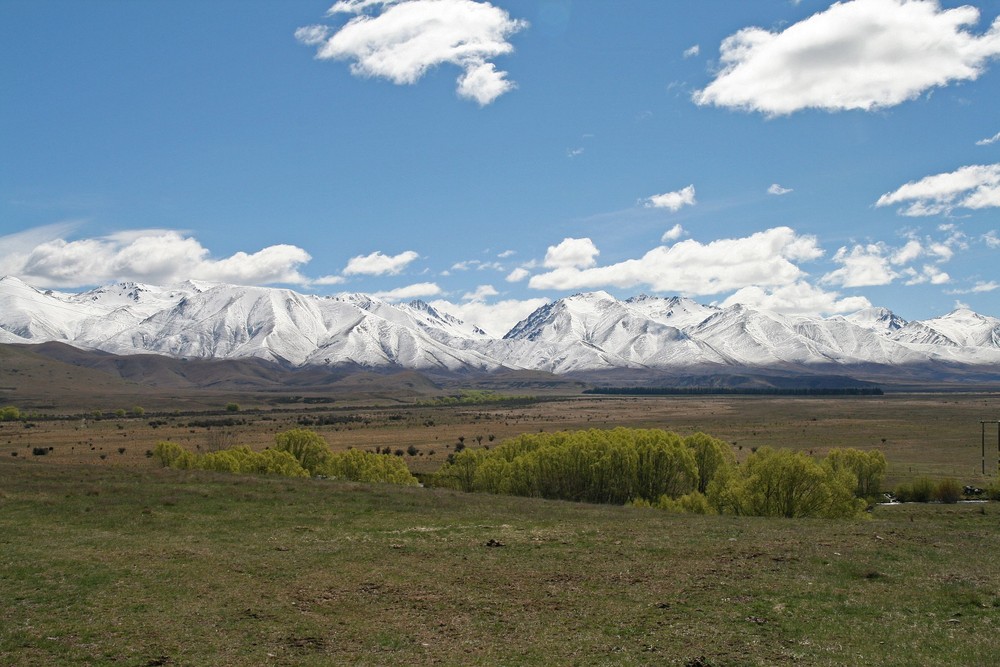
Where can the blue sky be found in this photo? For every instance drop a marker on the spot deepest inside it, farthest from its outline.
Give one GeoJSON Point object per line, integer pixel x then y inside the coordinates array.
{"type": "Point", "coordinates": [488, 157]}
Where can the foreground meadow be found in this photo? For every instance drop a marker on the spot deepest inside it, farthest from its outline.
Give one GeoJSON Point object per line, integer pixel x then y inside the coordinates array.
{"type": "Point", "coordinates": [116, 565]}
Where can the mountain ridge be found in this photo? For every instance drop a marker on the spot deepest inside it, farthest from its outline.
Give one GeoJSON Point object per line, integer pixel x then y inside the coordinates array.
{"type": "Point", "coordinates": [585, 333]}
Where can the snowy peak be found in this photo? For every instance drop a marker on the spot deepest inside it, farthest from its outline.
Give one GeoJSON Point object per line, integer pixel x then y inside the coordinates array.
{"type": "Point", "coordinates": [880, 320]}
{"type": "Point", "coordinates": [585, 332]}
{"type": "Point", "coordinates": [961, 328]}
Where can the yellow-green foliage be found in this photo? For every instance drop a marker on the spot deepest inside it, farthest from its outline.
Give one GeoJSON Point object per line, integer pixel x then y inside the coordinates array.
{"type": "Point", "coordinates": [786, 483]}
{"type": "Point", "coordinates": [711, 455]}
{"type": "Point", "coordinates": [691, 503]}
{"type": "Point", "coordinates": [474, 397]}
{"type": "Point", "coordinates": [9, 414]}
{"type": "Point", "coordinates": [359, 466]}
{"type": "Point", "coordinates": [245, 461]}
{"type": "Point", "coordinates": [868, 467]}
{"type": "Point", "coordinates": [615, 466]}
{"type": "Point", "coordinates": [172, 455]}
{"type": "Point", "coordinates": [299, 453]}
{"type": "Point", "coordinates": [308, 447]}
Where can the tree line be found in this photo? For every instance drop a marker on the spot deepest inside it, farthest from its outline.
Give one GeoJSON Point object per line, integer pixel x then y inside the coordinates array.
{"type": "Point", "coordinates": [656, 468]}
{"type": "Point", "coordinates": [296, 453]}
{"type": "Point", "coordinates": [735, 391]}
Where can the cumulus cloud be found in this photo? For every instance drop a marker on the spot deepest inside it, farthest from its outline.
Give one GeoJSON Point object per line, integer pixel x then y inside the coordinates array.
{"type": "Point", "coordinates": [400, 40]}
{"type": "Point", "coordinates": [377, 264]}
{"type": "Point", "coordinates": [517, 275]}
{"type": "Point", "coordinates": [495, 319]}
{"type": "Point", "coordinates": [768, 258]}
{"type": "Point", "coordinates": [482, 292]}
{"type": "Point", "coordinates": [798, 298]}
{"type": "Point", "coordinates": [692, 51]}
{"type": "Point", "coordinates": [672, 234]}
{"type": "Point", "coordinates": [151, 256]}
{"type": "Point", "coordinates": [673, 201]}
{"type": "Point", "coordinates": [973, 187]}
{"type": "Point", "coordinates": [991, 140]}
{"type": "Point", "coordinates": [862, 266]}
{"type": "Point", "coordinates": [572, 253]}
{"type": "Point", "coordinates": [776, 189]}
{"type": "Point", "coordinates": [928, 273]}
{"type": "Point", "coordinates": [865, 265]}
{"type": "Point", "coordinates": [862, 54]}
{"type": "Point", "coordinates": [991, 239]}
{"type": "Point", "coordinates": [415, 291]}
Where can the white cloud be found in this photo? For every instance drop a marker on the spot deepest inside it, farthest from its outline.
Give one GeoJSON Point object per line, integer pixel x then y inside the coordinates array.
{"type": "Point", "coordinates": [517, 275]}
{"type": "Point", "coordinates": [495, 319]}
{"type": "Point", "coordinates": [153, 256]}
{"type": "Point", "coordinates": [574, 152]}
{"type": "Point", "coordinates": [990, 238]}
{"type": "Point", "coordinates": [482, 293]}
{"type": "Point", "coordinates": [377, 264]}
{"type": "Point", "coordinates": [929, 273]}
{"type": "Point", "coordinates": [862, 54]}
{"type": "Point", "coordinates": [767, 259]}
{"type": "Point", "coordinates": [572, 253]}
{"type": "Point", "coordinates": [776, 189]}
{"type": "Point", "coordinates": [980, 287]}
{"type": "Point", "coordinates": [312, 35]}
{"type": "Point", "coordinates": [975, 187]}
{"type": "Point", "coordinates": [673, 201]}
{"type": "Point", "coordinates": [507, 253]}
{"type": "Point", "coordinates": [416, 291]}
{"type": "Point", "coordinates": [799, 298]}
{"type": "Point", "coordinates": [862, 266]}
{"type": "Point", "coordinates": [672, 234]}
{"type": "Point", "coordinates": [692, 51]}
{"type": "Point", "coordinates": [909, 252]}
{"type": "Point", "coordinates": [400, 40]}
{"type": "Point", "coordinates": [328, 280]}
{"type": "Point", "coordinates": [992, 140]}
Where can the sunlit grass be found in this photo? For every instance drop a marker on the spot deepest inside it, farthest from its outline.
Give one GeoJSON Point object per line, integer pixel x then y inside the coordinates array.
{"type": "Point", "coordinates": [111, 566]}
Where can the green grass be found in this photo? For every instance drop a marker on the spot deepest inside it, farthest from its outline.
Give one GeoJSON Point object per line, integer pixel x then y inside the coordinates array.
{"type": "Point", "coordinates": [106, 565]}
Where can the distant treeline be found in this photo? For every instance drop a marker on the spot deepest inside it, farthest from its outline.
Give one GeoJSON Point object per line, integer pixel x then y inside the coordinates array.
{"type": "Point", "coordinates": [749, 391]}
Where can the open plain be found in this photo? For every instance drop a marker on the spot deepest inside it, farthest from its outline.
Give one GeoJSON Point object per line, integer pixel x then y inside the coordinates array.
{"type": "Point", "coordinates": [109, 559]}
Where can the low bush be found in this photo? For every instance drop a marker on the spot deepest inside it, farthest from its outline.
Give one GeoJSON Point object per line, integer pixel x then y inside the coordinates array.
{"type": "Point", "coordinates": [948, 491]}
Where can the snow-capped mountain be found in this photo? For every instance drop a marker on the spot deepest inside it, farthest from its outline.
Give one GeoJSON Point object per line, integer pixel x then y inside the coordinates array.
{"type": "Point", "coordinates": [581, 333]}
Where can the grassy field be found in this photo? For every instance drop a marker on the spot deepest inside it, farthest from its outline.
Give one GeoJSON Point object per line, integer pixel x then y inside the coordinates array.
{"type": "Point", "coordinates": [111, 565]}
{"type": "Point", "coordinates": [107, 559]}
{"type": "Point", "coordinates": [920, 434]}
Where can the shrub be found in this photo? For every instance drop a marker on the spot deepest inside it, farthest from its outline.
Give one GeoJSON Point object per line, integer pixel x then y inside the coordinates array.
{"type": "Point", "coordinates": [867, 467]}
{"type": "Point", "coordinates": [232, 407]}
{"type": "Point", "coordinates": [308, 447]}
{"type": "Point", "coordinates": [9, 414]}
{"type": "Point", "coordinates": [138, 411]}
{"type": "Point", "coordinates": [691, 503]}
{"type": "Point", "coordinates": [786, 483]}
{"type": "Point", "coordinates": [948, 491]}
{"type": "Point", "coordinates": [172, 455]}
{"type": "Point", "coordinates": [920, 490]}
{"type": "Point", "coordinates": [360, 466]}
{"type": "Point", "coordinates": [39, 451]}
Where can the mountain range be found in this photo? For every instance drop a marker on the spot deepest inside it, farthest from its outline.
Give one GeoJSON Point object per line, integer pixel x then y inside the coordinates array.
{"type": "Point", "coordinates": [584, 334]}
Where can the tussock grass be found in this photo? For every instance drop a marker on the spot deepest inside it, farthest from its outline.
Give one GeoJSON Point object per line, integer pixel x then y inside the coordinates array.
{"type": "Point", "coordinates": [111, 565]}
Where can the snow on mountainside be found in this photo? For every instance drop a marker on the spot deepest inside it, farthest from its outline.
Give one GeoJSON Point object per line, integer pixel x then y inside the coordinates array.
{"type": "Point", "coordinates": [580, 333]}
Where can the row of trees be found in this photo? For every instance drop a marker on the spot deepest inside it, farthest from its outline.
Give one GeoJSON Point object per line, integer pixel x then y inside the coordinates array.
{"type": "Point", "coordinates": [297, 453]}
{"type": "Point", "coordinates": [651, 467]}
